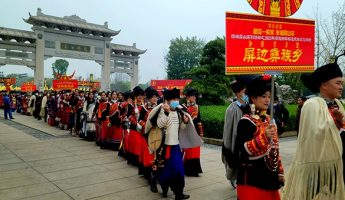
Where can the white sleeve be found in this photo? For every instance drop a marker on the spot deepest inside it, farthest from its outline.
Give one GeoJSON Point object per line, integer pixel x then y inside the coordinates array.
{"type": "Point", "coordinates": [163, 119]}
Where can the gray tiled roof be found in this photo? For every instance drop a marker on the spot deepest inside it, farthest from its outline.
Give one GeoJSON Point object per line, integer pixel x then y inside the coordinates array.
{"type": "Point", "coordinates": [71, 21]}
{"type": "Point", "coordinates": [17, 33]}
{"type": "Point", "coordinates": [126, 48]}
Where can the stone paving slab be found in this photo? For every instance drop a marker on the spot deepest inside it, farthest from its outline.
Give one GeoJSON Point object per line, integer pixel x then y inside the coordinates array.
{"type": "Point", "coordinates": [88, 179]}
{"type": "Point", "coordinates": [39, 125]}
{"type": "Point", "coordinates": [28, 191]}
{"type": "Point", "coordinates": [71, 168]}
{"type": "Point", "coordinates": [50, 196]}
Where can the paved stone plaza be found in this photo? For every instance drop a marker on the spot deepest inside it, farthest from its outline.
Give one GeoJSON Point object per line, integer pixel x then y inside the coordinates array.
{"type": "Point", "coordinates": [35, 165]}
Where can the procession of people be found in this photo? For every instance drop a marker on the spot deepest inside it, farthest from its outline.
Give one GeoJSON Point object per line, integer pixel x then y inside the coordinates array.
{"type": "Point", "coordinates": [124, 122]}
{"type": "Point", "coordinates": [162, 136]}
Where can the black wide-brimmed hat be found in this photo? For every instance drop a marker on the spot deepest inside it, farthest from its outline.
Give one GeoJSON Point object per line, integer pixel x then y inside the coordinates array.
{"type": "Point", "coordinates": [322, 74]}
{"type": "Point", "coordinates": [241, 82]}
{"type": "Point", "coordinates": [150, 92]}
{"type": "Point", "coordinates": [171, 94]}
{"type": "Point", "coordinates": [191, 92]}
{"type": "Point", "coordinates": [259, 86]}
{"type": "Point", "coordinates": [138, 91]}
{"type": "Point", "coordinates": [236, 86]}
{"type": "Point", "coordinates": [128, 94]}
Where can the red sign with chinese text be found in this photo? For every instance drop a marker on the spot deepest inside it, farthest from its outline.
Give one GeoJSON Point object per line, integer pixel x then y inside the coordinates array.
{"type": "Point", "coordinates": [65, 84]}
{"type": "Point", "coordinates": [8, 82]}
{"type": "Point", "coordinates": [28, 87]}
{"type": "Point", "coordinates": [258, 44]}
{"type": "Point", "coordinates": [169, 84]}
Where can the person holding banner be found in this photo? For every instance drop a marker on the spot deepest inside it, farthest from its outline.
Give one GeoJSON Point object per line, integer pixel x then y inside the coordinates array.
{"type": "Point", "coordinates": [233, 114]}
{"type": "Point", "coordinates": [316, 171]}
{"type": "Point", "coordinates": [260, 171]}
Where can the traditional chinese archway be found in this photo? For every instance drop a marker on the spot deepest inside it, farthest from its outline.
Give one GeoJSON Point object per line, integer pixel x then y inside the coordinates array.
{"type": "Point", "coordinates": [67, 37]}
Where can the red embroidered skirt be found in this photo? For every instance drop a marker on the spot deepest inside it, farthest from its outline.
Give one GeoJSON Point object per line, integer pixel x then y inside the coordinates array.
{"type": "Point", "coordinates": [247, 192]}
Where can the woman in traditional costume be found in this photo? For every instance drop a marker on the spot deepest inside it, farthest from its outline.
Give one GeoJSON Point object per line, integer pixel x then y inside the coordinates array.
{"type": "Point", "coordinates": [192, 166]}
{"type": "Point", "coordinates": [260, 173]}
{"type": "Point", "coordinates": [316, 171]}
{"type": "Point", "coordinates": [133, 113]}
{"type": "Point", "coordinates": [146, 157]}
{"type": "Point", "coordinates": [89, 127]}
{"type": "Point", "coordinates": [114, 136]}
{"type": "Point", "coordinates": [102, 123]}
{"type": "Point", "coordinates": [125, 106]}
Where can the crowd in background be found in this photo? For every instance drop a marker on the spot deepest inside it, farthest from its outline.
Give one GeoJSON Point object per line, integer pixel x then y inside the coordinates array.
{"type": "Point", "coordinates": [117, 121]}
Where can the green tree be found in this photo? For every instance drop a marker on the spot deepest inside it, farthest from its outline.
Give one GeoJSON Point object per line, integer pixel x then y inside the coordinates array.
{"type": "Point", "coordinates": [144, 85]}
{"type": "Point", "coordinates": [183, 55]}
{"type": "Point", "coordinates": [120, 86]}
{"type": "Point", "coordinates": [292, 79]}
{"type": "Point", "coordinates": [209, 79]}
{"type": "Point", "coordinates": [20, 78]}
{"type": "Point", "coordinates": [60, 66]}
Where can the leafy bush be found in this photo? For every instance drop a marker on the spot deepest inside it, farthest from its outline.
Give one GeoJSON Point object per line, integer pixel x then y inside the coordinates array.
{"type": "Point", "coordinates": [213, 119]}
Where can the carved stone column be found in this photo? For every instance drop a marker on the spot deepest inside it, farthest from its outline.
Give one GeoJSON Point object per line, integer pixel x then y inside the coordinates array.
{"type": "Point", "coordinates": [135, 76]}
{"type": "Point", "coordinates": [105, 77]}
{"type": "Point", "coordinates": [39, 68]}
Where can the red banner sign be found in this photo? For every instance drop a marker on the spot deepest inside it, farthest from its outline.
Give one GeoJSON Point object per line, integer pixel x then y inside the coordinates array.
{"type": "Point", "coordinates": [258, 44]}
{"type": "Point", "coordinates": [8, 82]}
{"type": "Point", "coordinates": [28, 87]}
{"type": "Point", "coordinates": [90, 84]}
{"type": "Point", "coordinates": [65, 84]}
{"type": "Point", "coordinates": [170, 84]}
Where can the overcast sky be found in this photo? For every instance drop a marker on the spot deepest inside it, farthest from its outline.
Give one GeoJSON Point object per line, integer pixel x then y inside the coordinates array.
{"type": "Point", "coordinates": [151, 24]}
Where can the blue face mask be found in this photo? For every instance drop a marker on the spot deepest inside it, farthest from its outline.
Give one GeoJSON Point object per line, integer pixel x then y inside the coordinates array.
{"type": "Point", "coordinates": [245, 98]}
{"type": "Point", "coordinates": [174, 104]}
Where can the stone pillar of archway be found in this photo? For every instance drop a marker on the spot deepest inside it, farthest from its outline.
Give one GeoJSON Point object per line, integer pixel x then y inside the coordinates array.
{"type": "Point", "coordinates": [135, 76]}
{"type": "Point", "coordinates": [105, 76]}
{"type": "Point", "coordinates": [39, 68]}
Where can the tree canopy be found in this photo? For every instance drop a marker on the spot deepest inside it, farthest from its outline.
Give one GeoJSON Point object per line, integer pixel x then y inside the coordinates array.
{"type": "Point", "coordinates": [183, 56]}
{"type": "Point", "coordinates": [209, 78]}
{"type": "Point", "coordinates": [120, 86]}
{"type": "Point", "coordinates": [330, 34]}
{"type": "Point", "coordinates": [60, 66]}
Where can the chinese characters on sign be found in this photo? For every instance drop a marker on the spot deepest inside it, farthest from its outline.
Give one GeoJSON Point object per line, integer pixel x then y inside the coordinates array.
{"type": "Point", "coordinates": [65, 84]}
{"type": "Point", "coordinates": [169, 84]}
{"type": "Point", "coordinates": [75, 47]}
{"type": "Point", "coordinates": [28, 87]}
{"type": "Point", "coordinates": [8, 82]}
{"type": "Point", "coordinates": [90, 84]}
{"type": "Point", "coordinates": [257, 44]}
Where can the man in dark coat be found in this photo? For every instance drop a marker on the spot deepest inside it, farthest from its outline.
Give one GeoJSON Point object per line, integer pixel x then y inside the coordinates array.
{"type": "Point", "coordinates": [7, 107]}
